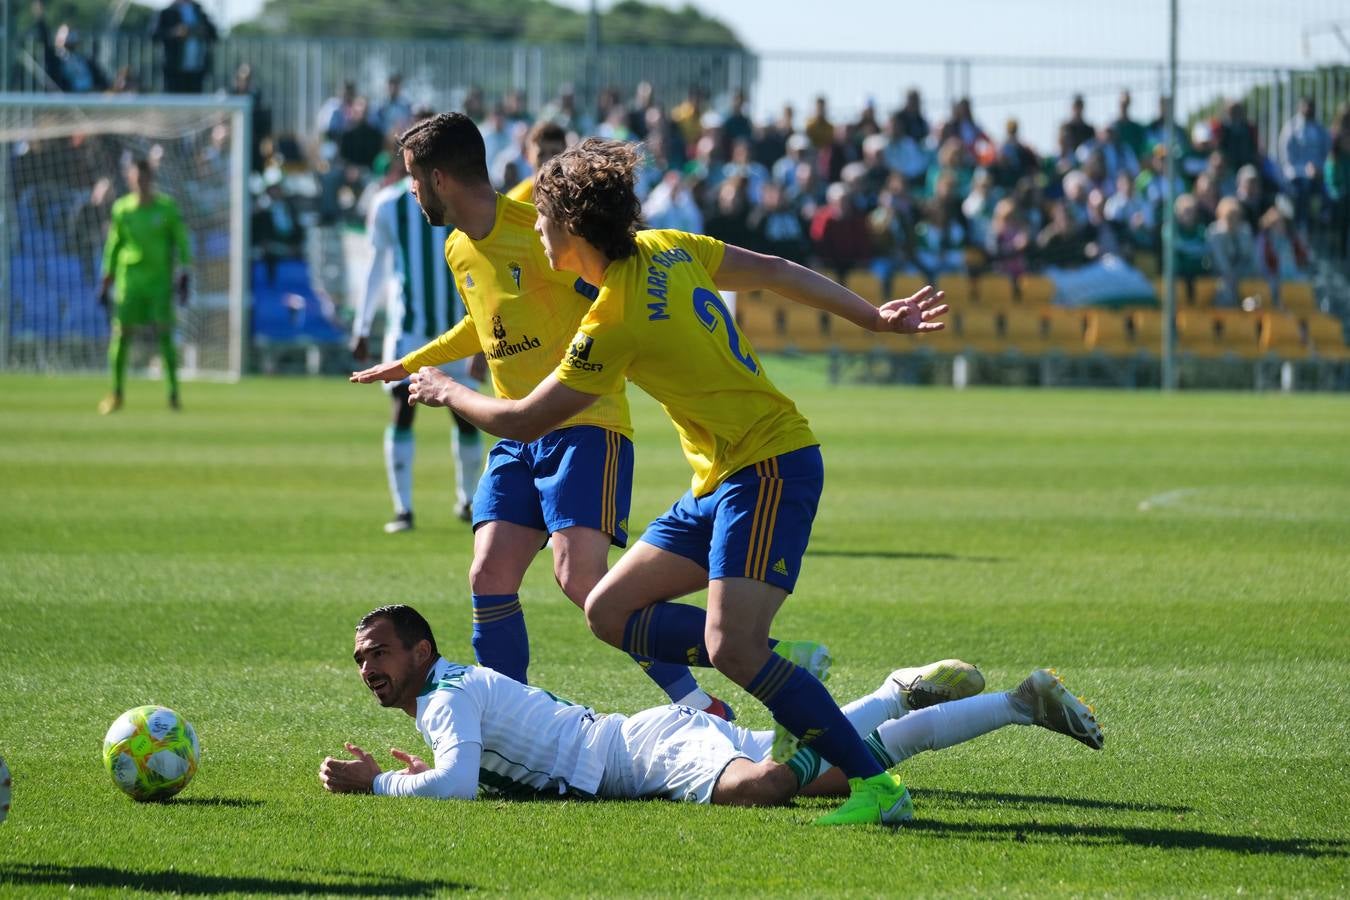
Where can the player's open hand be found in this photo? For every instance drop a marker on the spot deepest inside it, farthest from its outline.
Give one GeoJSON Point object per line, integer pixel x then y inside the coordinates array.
{"type": "Point", "coordinates": [430, 387]}
{"type": "Point", "coordinates": [349, 776]}
{"type": "Point", "coordinates": [415, 765]}
{"type": "Point", "coordinates": [915, 314]}
{"type": "Point", "coordinates": [391, 371]}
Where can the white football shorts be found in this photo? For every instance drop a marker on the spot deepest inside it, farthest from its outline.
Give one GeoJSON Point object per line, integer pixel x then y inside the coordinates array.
{"type": "Point", "coordinates": [677, 753]}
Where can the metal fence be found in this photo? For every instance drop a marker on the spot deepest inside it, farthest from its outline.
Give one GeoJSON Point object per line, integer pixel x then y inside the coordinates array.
{"type": "Point", "coordinates": [296, 75]}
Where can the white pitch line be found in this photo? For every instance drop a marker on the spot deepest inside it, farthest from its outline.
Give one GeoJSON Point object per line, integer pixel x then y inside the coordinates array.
{"type": "Point", "coordinates": [1167, 498]}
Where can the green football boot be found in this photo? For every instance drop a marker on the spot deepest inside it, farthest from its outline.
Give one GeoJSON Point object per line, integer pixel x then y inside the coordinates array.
{"type": "Point", "coordinates": [880, 800]}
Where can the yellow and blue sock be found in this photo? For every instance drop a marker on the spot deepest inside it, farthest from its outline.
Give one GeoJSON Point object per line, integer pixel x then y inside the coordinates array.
{"type": "Point", "coordinates": [670, 633]}
{"type": "Point", "coordinates": [800, 703]}
{"type": "Point", "coordinates": [499, 638]}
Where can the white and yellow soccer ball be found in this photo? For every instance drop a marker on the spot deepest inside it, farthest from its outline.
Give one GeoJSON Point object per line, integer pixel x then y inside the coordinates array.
{"type": "Point", "coordinates": [4, 790]}
{"type": "Point", "coordinates": [151, 752]}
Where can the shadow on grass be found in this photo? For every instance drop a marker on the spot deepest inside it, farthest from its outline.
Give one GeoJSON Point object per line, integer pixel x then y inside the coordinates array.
{"type": "Point", "coordinates": [192, 884]}
{"type": "Point", "coordinates": [1163, 838]}
{"type": "Point", "coordinates": [1039, 800]}
{"type": "Point", "coordinates": [235, 802]}
{"type": "Point", "coordinates": [903, 554]}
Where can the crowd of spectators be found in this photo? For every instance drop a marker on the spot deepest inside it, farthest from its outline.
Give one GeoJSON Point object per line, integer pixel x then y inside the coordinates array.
{"type": "Point", "coordinates": [899, 193]}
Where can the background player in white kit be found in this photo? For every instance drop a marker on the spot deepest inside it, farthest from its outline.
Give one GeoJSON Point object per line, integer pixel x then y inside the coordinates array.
{"type": "Point", "coordinates": [410, 280]}
{"type": "Point", "coordinates": [492, 732]}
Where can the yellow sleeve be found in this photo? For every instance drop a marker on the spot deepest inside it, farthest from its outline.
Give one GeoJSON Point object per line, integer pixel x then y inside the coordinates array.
{"type": "Point", "coordinates": [707, 250]}
{"type": "Point", "coordinates": [598, 357]}
{"type": "Point", "coordinates": [457, 343]}
{"type": "Point", "coordinates": [524, 192]}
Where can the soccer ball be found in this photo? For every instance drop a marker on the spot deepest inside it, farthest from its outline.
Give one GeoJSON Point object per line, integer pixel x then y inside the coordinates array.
{"type": "Point", "coordinates": [4, 789]}
{"type": "Point", "coordinates": [151, 752]}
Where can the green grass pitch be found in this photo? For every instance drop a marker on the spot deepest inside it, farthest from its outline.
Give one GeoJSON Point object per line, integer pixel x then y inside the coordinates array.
{"type": "Point", "coordinates": [1183, 560]}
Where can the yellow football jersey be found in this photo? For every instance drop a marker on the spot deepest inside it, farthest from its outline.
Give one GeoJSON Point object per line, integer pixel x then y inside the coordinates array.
{"type": "Point", "coordinates": [520, 313]}
{"type": "Point", "coordinates": [660, 322]}
{"type": "Point", "coordinates": [524, 192]}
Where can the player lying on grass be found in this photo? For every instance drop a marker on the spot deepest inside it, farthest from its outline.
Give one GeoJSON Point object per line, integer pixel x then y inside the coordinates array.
{"type": "Point", "coordinates": [493, 733]}
{"type": "Point", "coordinates": [742, 529]}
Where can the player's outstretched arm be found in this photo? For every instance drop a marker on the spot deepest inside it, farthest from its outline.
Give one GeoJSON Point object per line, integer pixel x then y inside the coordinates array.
{"type": "Point", "coordinates": [548, 405]}
{"type": "Point", "coordinates": [390, 371]}
{"type": "Point", "coordinates": [743, 269]}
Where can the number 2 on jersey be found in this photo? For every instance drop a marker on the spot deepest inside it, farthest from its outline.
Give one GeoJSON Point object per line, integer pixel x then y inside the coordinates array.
{"type": "Point", "coordinates": [708, 306]}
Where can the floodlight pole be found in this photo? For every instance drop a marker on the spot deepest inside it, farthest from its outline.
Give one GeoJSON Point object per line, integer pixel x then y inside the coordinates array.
{"type": "Point", "coordinates": [1169, 236]}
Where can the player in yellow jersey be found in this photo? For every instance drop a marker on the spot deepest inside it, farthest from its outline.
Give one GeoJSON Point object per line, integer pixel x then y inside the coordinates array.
{"type": "Point", "coordinates": [546, 140]}
{"type": "Point", "coordinates": [743, 527]}
{"type": "Point", "coordinates": [573, 481]}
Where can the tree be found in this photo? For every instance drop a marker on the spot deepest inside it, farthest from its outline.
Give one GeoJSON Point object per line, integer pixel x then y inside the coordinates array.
{"type": "Point", "coordinates": [533, 21]}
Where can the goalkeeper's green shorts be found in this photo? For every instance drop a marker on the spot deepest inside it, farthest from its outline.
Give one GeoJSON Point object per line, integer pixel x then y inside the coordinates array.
{"type": "Point", "coordinates": [142, 310]}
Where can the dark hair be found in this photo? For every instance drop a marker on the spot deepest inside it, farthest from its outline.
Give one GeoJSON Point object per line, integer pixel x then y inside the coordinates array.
{"type": "Point", "coordinates": [408, 624]}
{"type": "Point", "coordinates": [589, 191]}
{"type": "Point", "coordinates": [450, 142]}
{"type": "Point", "coordinates": [546, 130]}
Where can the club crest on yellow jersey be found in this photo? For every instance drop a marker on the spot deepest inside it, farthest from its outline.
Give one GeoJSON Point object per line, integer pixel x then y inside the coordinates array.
{"type": "Point", "coordinates": [514, 269]}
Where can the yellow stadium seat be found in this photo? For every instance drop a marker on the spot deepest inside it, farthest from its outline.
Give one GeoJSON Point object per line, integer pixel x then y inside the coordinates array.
{"type": "Point", "coordinates": [957, 289]}
{"type": "Point", "coordinates": [993, 291]}
{"type": "Point", "coordinates": [1037, 290]}
{"type": "Point", "coordinates": [1284, 336]}
{"type": "Point", "coordinates": [1108, 332]}
{"type": "Point", "coordinates": [760, 323]}
{"type": "Point", "coordinates": [980, 329]}
{"type": "Point", "coordinates": [844, 335]}
{"type": "Point", "coordinates": [807, 329]}
{"type": "Point", "coordinates": [1254, 288]}
{"type": "Point", "coordinates": [1297, 297]}
{"type": "Point", "coordinates": [1197, 293]}
{"type": "Point", "coordinates": [906, 286]}
{"type": "Point", "coordinates": [1326, 335]}
{"type": "Point", "coordinates": [1205, 291]}
{"type": "Point", "coordinates": [1024, 330]}
{"type": "Point", "coordinates": [1146, 330]}
{"type": "Point", "coordinates": [866, 285]}
{"type": "Point", "coordinates": [1064, 330]}
{"type": "Point", "coordinates": [1237, 332]}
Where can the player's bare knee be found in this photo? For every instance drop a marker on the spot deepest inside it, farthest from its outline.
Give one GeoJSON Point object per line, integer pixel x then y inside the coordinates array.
{"type": "Point", "coordinates": [602, 620]}
{"type": "Point", "coordinates": [733, 659]}
{"type": "Point", "coordinates": [576, 578]}
{"type": "Point", "coordinates": [487, 576]}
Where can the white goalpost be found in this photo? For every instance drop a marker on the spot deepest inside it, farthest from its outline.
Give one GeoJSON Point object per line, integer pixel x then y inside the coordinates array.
{"type": "Point", "coordinates": [62, 159]}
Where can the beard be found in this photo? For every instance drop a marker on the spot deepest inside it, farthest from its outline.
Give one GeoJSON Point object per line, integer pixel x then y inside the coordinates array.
{"type": "Point", "coordinates": [433, 212]}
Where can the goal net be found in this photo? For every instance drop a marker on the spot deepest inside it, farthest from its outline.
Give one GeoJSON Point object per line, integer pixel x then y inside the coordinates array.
{"type": "Point", "coordinates": [62, 164]}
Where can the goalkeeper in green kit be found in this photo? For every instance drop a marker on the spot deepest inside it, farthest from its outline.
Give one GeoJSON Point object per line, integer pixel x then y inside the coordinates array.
{"type": "Point", "coordinates": [145, 239]}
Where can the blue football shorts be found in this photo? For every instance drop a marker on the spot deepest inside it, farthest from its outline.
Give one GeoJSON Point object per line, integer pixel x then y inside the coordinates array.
{"type": "Point", "coordinates": [756, 524]}
{"type": "Point", "coordinates": [577, 476]}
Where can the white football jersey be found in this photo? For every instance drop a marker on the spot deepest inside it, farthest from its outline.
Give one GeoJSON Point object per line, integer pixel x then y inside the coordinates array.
{"type": "Point", "coordinates": [531, 741]}
{"type": "Point", "coordinates": [420, 296]}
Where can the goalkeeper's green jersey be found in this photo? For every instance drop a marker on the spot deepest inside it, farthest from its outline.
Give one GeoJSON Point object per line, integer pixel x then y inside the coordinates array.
{"type": "Point", "coordinates": [144, 240]}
